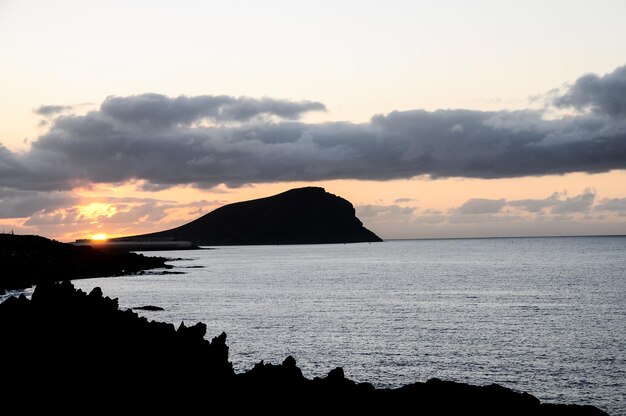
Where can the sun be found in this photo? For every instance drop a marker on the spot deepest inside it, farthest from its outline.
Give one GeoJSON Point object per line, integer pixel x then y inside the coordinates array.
{"type": "Point", "coordinates": [99, 237]}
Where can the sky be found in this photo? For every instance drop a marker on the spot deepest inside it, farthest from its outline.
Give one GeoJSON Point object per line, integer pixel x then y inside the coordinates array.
{"type": "Point", "coordinates": [435, 119]}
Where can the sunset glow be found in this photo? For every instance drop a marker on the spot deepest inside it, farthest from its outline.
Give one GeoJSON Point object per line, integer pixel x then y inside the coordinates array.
{"type": "Point", "coordinates": [99, 237]}
{"type": "Point", "coordinates": [412, 191]}
{"type": "Point", "coordinates": [95, 210]}
{"type": "Point", "coordinates": [519, 140]}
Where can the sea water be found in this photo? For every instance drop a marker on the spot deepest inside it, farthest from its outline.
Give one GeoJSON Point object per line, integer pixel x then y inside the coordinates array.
{"type": "Point", "coordinates": [542, 315]}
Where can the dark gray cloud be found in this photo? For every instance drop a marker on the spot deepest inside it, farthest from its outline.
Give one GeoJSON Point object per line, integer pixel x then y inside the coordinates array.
{"type": "Point", "coordinates": [50, 110]}
{"type": "Point", "coordinates": [481, 206]}
{"type": "Point", "coordinates": [161, 141]}
{"type": "Point", "coordinates": [97, 148]}
{"type": "Point", "coordinates": [156, 110]}
{"type": "Point", "coordinates": [21, 204]}
{"type": "Point", "coordinates": [602, 94]}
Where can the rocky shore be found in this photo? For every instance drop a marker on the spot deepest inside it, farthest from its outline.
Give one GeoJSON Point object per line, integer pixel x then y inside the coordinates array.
{"type": "Point", "coordinates": [26, 260]}
{"type": "Point", "coordinates": [81, 348]}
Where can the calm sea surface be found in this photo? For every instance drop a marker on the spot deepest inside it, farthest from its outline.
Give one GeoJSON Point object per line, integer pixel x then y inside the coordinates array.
{"type": "Point", "coordinates": [542, 315]}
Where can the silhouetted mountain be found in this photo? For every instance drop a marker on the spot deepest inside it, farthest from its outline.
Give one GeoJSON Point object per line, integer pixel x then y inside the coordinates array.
{"type": "Point", "coordinates": [78, 349]}
{"type": "Point", "coordinates": [26, 260]}
{"type": "Point", "coordinates": [299, 216]}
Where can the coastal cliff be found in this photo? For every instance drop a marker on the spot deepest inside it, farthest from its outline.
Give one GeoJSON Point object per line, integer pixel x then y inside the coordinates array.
{"type": "Point", "coordinates": [299, 216]}
{"type": "Point", "coordinates": [79, 347]}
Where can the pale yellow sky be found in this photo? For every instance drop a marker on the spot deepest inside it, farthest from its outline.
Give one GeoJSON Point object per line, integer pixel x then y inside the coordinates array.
{"type": "Point", "coordinates": [358, 58]}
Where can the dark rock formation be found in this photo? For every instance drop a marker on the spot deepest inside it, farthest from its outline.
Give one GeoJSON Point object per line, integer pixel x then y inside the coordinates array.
{"type": "Point", "coordinates": [299, 216]}
{"type": "Point", "coordinates": [148, 308]}
{"type": "Point", "coordinates": [26, 260]}
{"type": "Point", "coordinates": [79, 348]}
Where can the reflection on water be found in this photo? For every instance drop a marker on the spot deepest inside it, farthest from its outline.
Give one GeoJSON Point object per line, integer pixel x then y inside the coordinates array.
{"type": "Point", "coordinates": [543, 315]}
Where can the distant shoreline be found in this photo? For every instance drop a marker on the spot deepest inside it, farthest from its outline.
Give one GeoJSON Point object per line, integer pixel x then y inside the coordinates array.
{"type": "Point", "coordinates": [136, 245]}
{"type": "Point", "coordinates": [28, 260]}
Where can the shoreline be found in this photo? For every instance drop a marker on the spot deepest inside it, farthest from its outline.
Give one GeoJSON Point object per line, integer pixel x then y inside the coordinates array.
{"type": "Point", "coordinates": [27, 260]}
{"type": "Point", "coordinates": [77, 328]}
{"type": "Point", "coordinates": [252, 381]}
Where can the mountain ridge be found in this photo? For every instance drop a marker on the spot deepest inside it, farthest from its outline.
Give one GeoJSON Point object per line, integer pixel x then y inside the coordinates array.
{"type": "Point", "coordinates": [308, 215]}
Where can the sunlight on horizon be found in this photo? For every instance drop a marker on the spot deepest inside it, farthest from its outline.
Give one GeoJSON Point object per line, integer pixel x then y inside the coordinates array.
{"type": "Point", "coordinates": [99, 237]}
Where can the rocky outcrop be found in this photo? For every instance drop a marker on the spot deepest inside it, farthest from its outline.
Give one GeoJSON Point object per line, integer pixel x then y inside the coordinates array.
{"type": "Point", "coordinates": [90, 341]}
{"type": "Point", "coordinates": [299, 216]}
{"type": "Point", "coordinates": [26, 260]}
{"type": "Point", "coordinates": [150, 308]}
{"type": "Point", "coordinates": [77, 347]}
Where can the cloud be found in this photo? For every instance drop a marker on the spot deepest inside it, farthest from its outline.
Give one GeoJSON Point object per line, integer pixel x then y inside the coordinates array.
{"type": "Point", "coordinates": [557, 214]}
{"type": "Point", "coordinates": [113, 215]}
{"type": "Point", "coordinates": [457, 128]}
{"type": "Point", "coordinates": [404, 200]}
{"type": "Point", "coordinates": [481, 206]}
{"type": "Point", "coordinates": [69, 216]}
{"type": "Point", "coordinates": [149, 211]}
{"type": "Point", "coordinates": [617, 205]}
{"type": "Point", "coordinates": [604, 95]}
{"type": "Point", "coordinates": [129, 200]}
{"type": "Point", "coordinates": [427, 218]}
{"type": "Point", "coordinates": [50, 110]}
{"type": "Point", "coordinates": [481, 210]}
{"type": "Point", "coordinates": [386, 218]}
{"type": "Point", "coordinates": [535, 205]}
{"type": "Point", "coordinates": [483, 218]}
{"type": "Point", "coordinates": [206, 141]}
{"type": "Point", "coordinates": [576, 204]}
{"type": "Point", "coordinates": [393, 212]}
{"type": "Point", "coordinates": [22, 204]}
{"type": "Point", "coordinates": [515, 218]}
{"type": "Point", "coordinates": [156, 110]}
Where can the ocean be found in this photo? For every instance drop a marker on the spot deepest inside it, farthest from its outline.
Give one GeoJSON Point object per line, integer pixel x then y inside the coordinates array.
{"type": "Point", "coordinates": [542, 315]}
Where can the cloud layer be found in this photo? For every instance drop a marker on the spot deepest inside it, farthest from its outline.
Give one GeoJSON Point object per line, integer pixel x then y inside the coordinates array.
{"type": "Point", "coordinates": [603, 95]}
{"type": "Point", "coordinates": [23, 204]}
{"type": "Point", "coordinates": [557, 214]}
{"type": "Point", "coordinates": [158, 111]}
{"type": "Point", "coordinates": [209, 140]}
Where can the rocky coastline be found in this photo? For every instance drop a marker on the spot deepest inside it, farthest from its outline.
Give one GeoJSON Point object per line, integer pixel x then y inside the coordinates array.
{"type": "Point", "coordinates": [82, 348]}
{"type": "Point", "coordinates": [27, 260]}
